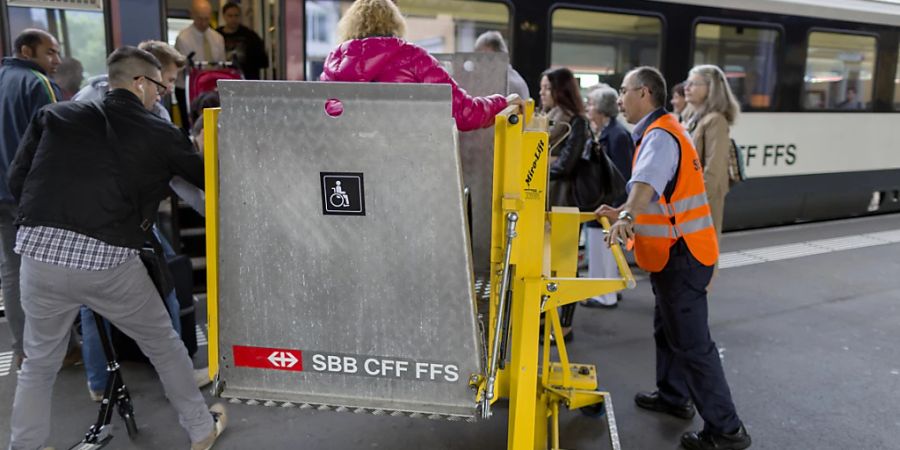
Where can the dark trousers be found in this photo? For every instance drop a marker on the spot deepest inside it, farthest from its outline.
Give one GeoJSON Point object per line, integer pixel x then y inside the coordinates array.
{"type": "Point", "coordinates": [567, 315]}
{"type": "Point", "coordinates": [687, 360]}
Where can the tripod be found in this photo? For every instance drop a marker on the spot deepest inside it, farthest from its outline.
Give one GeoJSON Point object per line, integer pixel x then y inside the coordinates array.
{"type": "Point", "coordinates": [116, 393]}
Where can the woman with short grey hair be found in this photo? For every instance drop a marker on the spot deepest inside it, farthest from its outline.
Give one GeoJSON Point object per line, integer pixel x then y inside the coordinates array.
{"type": "Point", "coordinates": [615, 141]}
{"type": "Point", "coordinates": [604, 99]}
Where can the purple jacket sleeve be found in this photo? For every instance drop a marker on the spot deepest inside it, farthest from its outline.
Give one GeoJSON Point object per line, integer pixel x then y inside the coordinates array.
{"type": "Point", "coordinates": [471, 113]}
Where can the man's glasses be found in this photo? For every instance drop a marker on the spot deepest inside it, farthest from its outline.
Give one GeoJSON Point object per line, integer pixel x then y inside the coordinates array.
{"type": "Point", "coordinates": [160, 88]}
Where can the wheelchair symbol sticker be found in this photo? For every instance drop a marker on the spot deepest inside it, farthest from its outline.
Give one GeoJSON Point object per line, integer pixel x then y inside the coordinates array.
{"type": "Point", "coordinates": [343, 194]}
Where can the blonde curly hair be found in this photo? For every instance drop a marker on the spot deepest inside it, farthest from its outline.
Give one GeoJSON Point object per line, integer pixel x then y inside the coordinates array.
{"type": "Point", "coordinates": [367, 18]}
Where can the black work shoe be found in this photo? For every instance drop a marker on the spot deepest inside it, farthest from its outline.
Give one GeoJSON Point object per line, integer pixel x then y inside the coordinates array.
{"type": "Point", "coordinates": [653, 402]}
{"type": "Point", "coordinates": [704, 440]}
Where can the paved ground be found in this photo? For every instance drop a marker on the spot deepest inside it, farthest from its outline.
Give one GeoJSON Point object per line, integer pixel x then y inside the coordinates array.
{"type": "Point", "coordinates": [809, 345]}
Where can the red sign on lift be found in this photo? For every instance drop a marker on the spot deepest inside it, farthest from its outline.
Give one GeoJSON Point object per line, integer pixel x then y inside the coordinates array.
{"type": "Point", "coordinates": [268, 358]}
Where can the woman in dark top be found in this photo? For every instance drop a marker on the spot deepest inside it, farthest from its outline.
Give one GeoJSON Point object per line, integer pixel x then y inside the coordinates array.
{"type": "Point", "coordinates": [561, 101]}
{"type": "Point", "coordinates": [616, 141]}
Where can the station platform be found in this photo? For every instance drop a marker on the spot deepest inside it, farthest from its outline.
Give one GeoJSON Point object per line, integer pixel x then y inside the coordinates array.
{"type": "Point", "coordinates": [805, 318]}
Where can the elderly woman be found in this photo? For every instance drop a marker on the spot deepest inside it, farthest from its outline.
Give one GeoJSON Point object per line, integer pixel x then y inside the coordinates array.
{"type": "Point", "coordinates": [616, 141]}
{"type": "Point", "coordinates": [373, 50]}
{"type": "Point", "coordinates": [712, 109]}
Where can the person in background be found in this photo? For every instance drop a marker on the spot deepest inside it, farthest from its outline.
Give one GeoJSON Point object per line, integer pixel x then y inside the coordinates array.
{"type": "Point", "coordinates": [243, 43]}
{"type": "Point", "coordinates": [569, 131]}
{"type": "Point", "coordinates": [25, 87]}
{"type": "Point", "coordinates": [373, 49]}
{"type": "Point", "coordinates": [492, 42]}
{"type": "Point", "coordinates": [201, 41]}
{"type": "Point", "coordinates": [616, 142]}
{"type": "Point", "coordinates": [678, 102]}
{"type": "Point", "coordinates": [712, 110]}
{"type": "Point", "coordinates": [69, 76]}
{"type": "Point", "coordinates": [203, 101]}
{"type": "Point", "coordinates": [667, 215]}
{"type": "Point", "coordinates": [851, 101]}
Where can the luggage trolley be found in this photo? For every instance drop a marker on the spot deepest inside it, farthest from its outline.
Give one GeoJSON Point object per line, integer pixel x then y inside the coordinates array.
{"type": "Point", "coordinates": [434, 363]}
{"type": "Point", "coordinates": [202, 76]}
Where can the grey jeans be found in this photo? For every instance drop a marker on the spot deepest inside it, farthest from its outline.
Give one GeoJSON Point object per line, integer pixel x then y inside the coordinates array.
{"type": "Point", "coordinates": [9, 275]}
{"type": "Point", "coordinates": [124, 295]}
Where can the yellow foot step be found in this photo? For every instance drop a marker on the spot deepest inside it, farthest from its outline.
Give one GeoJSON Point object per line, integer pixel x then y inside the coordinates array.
{"type": "Point", "coordinates": [581, 377]}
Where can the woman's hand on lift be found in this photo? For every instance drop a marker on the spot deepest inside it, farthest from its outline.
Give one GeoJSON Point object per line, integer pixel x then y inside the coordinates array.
{"type": "Point", "coordinates": [514, 99]}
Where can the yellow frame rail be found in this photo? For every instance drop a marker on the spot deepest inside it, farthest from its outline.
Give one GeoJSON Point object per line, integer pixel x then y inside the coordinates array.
{"type": "Point", "coordinates": [211, 175]}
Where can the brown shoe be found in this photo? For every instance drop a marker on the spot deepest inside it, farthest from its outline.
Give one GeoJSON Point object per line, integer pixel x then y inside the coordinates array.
{"type": "Point", "coordinates": [73, 357]}
{"type": "Point", "coordinates": [219, 421]}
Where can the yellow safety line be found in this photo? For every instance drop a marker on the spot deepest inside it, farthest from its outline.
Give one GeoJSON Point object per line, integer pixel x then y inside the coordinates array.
{"type": "Point", "coordinates": [211, 164]}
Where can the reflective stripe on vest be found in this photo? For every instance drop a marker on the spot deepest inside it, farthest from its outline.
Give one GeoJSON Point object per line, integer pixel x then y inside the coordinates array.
{"type": "Point", "coordinates": [675, 232]}
{"type": "Point", "coordinates": [687, 217]}
{"type": "Point", "coordinates": [680, 206]}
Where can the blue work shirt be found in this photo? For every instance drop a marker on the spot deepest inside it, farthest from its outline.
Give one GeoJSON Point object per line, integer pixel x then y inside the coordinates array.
{"type": "Point", "coordinates": [658, 155]}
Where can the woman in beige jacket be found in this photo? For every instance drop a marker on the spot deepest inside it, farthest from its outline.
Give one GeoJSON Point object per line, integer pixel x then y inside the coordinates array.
{"type": "Point", "coordinates": [711, 110]}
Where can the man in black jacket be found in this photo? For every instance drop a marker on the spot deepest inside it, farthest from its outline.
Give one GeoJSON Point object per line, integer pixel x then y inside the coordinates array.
{"type": "Point", "coordinates": [88, 178]}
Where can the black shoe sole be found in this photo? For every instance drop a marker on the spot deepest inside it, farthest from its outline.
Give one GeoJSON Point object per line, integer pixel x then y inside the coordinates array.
{"type": "Point", "coordinates": [733, 446]}
{"type": "Point", "coordinates": [656, 407]}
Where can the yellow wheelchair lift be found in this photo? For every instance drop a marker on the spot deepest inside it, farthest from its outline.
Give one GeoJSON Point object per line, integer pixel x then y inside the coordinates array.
{"type": "Point", "coordinates": [534, 259]}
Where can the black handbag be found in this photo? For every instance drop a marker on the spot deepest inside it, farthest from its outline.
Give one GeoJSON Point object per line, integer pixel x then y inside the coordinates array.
{"type": "Point", "coordinates": [597, 180]}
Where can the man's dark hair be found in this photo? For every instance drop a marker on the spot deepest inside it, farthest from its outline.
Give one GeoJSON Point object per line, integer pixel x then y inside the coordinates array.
{"type": "Point", "coordinates": [128, 62]}
{"type": "Point", "coordinates": [652, 79]}
{"type": "Point", "coordinates": [31, 38]}
{"type": "Point", "coordinates": [230, 5]}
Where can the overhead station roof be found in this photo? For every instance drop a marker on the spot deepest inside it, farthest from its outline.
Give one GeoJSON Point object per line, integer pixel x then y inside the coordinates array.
{"type": "Point", "coordinates": [883, 12]}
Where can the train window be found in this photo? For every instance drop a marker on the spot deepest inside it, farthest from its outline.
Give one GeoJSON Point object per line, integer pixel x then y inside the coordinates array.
{"type": "Point", "coordinates": [747, 55]}
{"type": "Point", "coordinates": [440, 26]}
{"type": "Point", "coordinates": [897, 86]}
{"type": "Point", "coordinates": [81, 35]}
{"type": "Point", "coordinates": [839, 69]}
{"type": "Point", "coordinates": [602, 47]}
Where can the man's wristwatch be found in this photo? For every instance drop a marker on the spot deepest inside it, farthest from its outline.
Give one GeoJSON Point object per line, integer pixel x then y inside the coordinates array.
{"type": "Point", "coordinates": [625, 215]}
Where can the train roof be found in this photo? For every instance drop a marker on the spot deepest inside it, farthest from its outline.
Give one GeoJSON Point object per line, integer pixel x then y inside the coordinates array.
{"type": "Point", "coordinates": [882, 12]}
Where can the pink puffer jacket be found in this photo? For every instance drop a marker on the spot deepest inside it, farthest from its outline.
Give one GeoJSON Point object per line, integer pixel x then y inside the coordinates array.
{"type": "Point", "coordinates": [393, 60]}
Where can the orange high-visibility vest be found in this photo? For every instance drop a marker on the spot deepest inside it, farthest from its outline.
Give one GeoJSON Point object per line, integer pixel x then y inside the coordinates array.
{"type": "Point", "coordinates": [685, 215]}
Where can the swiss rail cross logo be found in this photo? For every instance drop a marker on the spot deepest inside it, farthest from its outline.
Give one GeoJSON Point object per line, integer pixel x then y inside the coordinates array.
{"type": "Point", "coordinates": [284, 360]}
{"type": "Point", "coordinates": [268, 358]}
